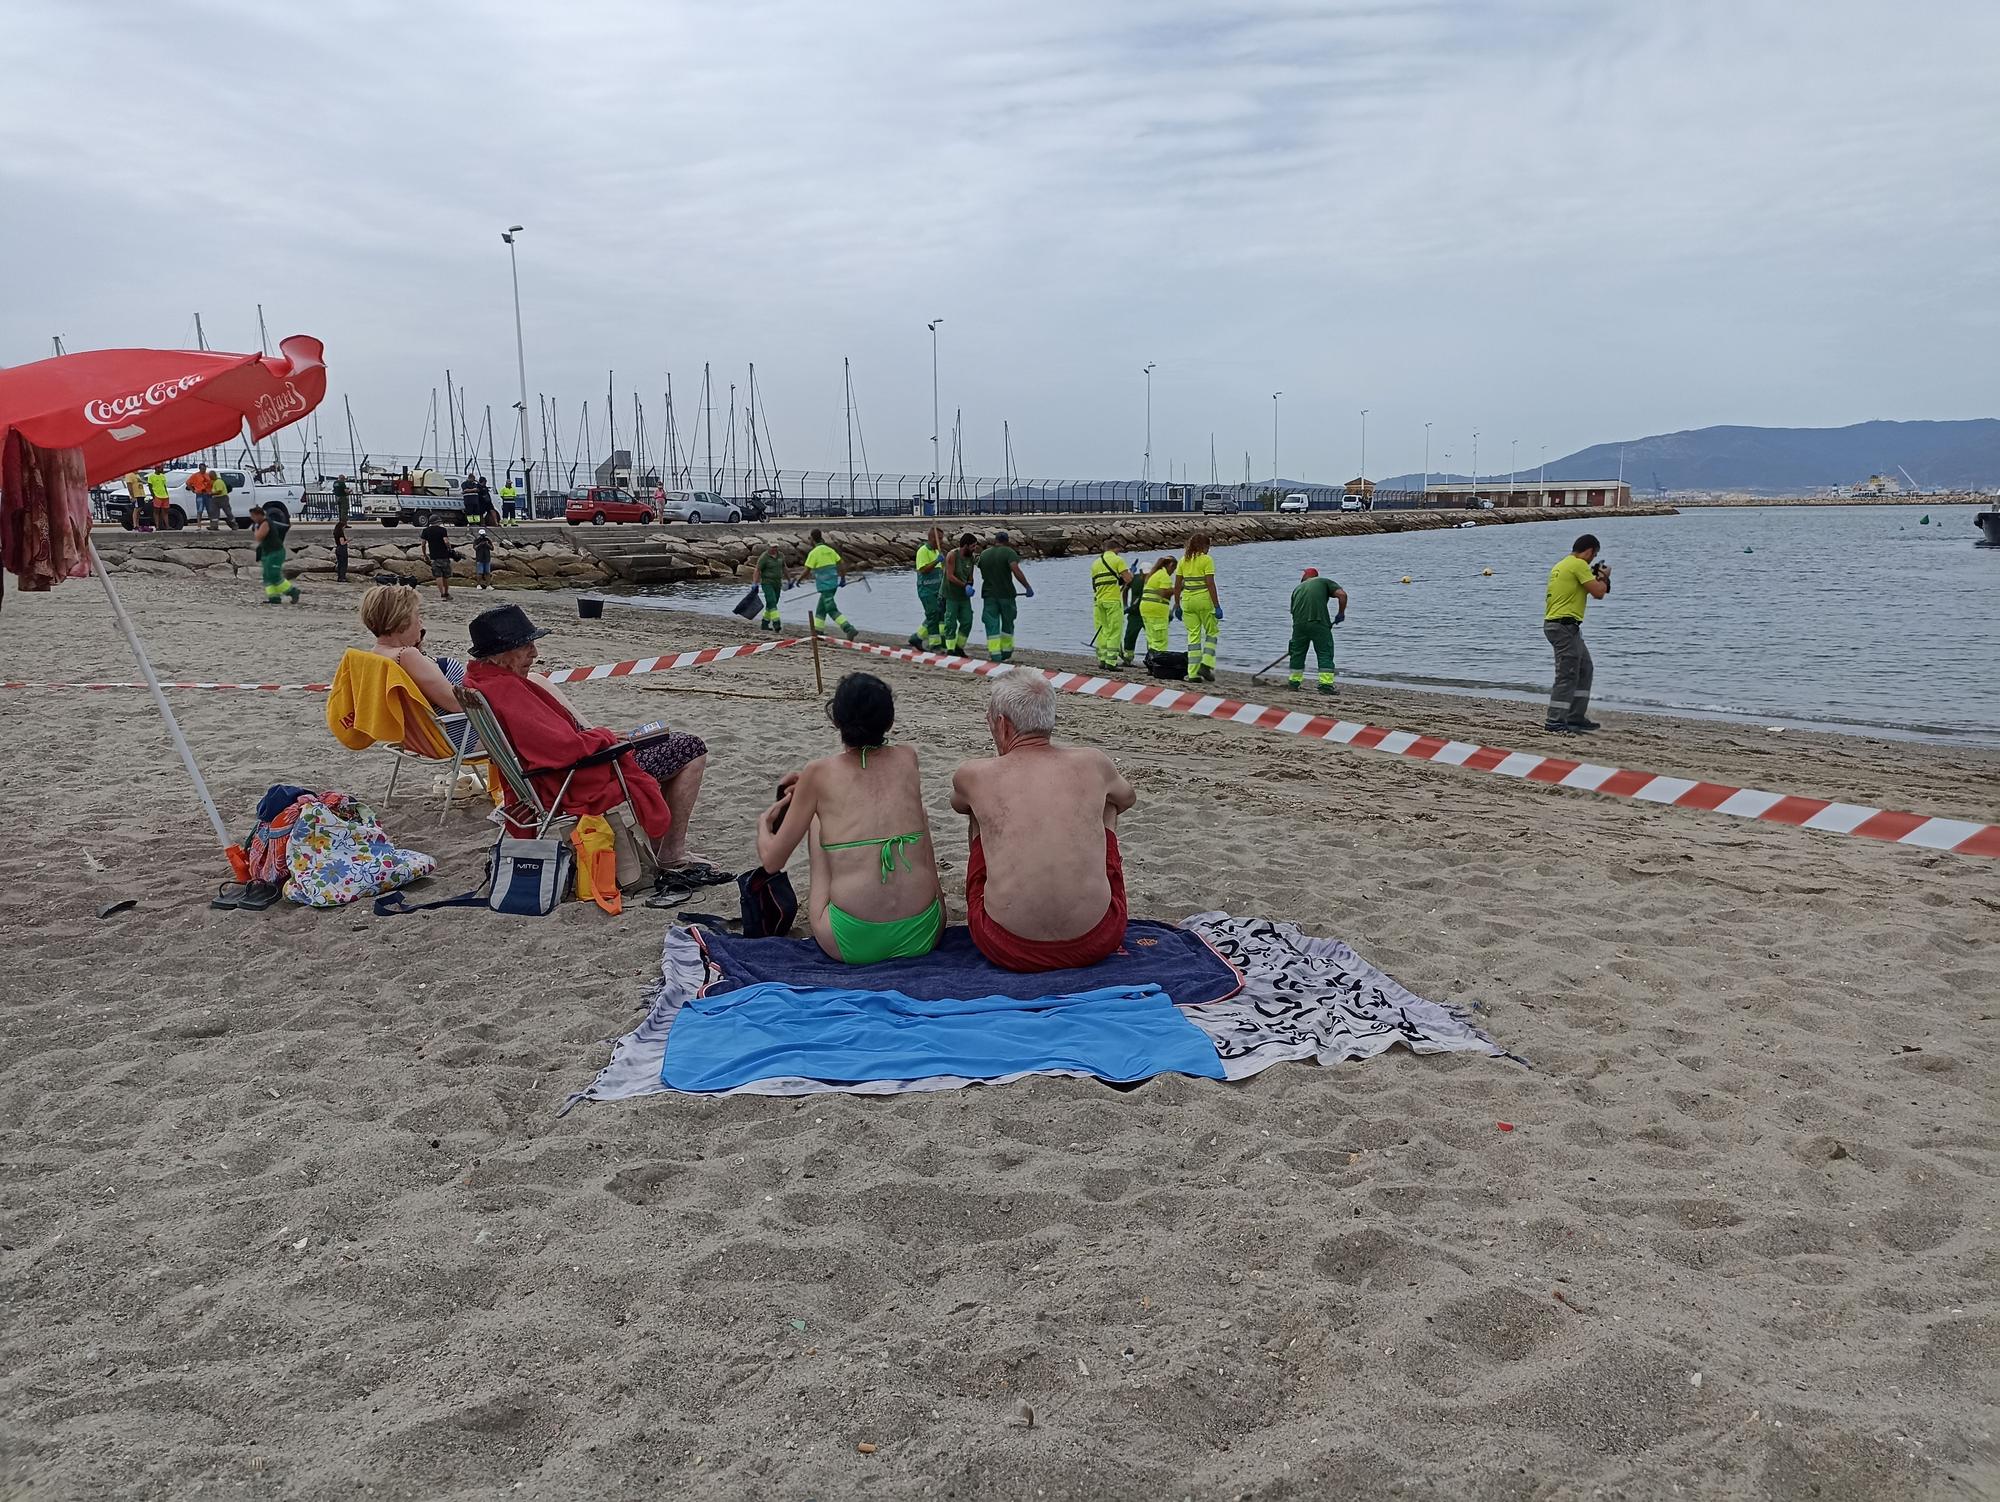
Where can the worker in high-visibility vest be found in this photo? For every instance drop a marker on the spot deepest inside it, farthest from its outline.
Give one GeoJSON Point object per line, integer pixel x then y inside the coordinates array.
{"type": "Point", "coordinates": [828, 574]}
{"type": "Point", "coordinates": [958, 587]}
{"type": "Point", "coordinates": [1110, 576]}
{"type": "Point", "coordinates": [198, 485]}
{"type": "Point", "coordinates": [1201, 607]}
{"type": "Point", "coordinates": [155, 510]}
{"type": "Point", "coordinates": [930, 591]}
{"type": "Point", "coordinates": [218, 500]}
{"type": "Point", "coordinates": [1156, 605]}
{"type": "Point", "coordinates": [509, 504]}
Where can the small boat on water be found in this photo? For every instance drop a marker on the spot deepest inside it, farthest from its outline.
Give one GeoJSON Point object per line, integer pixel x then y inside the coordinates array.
{"type": "Point", "coordinates": [1988, 522]}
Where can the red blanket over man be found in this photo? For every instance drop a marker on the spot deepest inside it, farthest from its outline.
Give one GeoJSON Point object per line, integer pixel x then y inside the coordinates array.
{"type": "Point", "coordinates": [547, 738]}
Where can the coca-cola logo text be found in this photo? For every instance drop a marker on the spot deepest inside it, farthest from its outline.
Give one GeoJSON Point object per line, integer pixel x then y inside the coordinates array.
{"type": "Point", "coordinates": [106, 411]}
{"type": "Point", "coordinates": [274, 409]}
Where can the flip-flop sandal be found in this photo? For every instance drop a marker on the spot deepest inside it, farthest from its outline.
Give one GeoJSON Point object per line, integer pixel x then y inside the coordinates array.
{"type": "Point", "coordinates": [698, 874]}
{"type": "Point", "coordinates": [669, 896]}
{"type": "Point", "coordinates": [258, 896]}
{"type": "Point", "coordinates": [228, 895]}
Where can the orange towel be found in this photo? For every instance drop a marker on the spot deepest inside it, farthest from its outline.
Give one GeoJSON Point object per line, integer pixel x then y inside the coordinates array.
{"type": "Point", "coordinates": [373, 699]}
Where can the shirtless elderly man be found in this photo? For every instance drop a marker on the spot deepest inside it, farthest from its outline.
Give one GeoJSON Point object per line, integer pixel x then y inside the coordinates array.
{"type": "Point", "coordinates": [1044, 887]}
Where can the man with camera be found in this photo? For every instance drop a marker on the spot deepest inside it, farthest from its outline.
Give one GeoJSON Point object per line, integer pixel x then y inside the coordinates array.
{"type": "Point", "coordinates": [1573, 583]}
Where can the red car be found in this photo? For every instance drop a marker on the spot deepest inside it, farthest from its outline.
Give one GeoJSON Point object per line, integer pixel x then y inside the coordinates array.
{"type": "Point", "coordinates": [599, 504]}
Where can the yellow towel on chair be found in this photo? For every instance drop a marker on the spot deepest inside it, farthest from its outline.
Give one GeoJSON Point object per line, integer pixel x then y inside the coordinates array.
{"type": "Point", "coordinates": [373, 699]}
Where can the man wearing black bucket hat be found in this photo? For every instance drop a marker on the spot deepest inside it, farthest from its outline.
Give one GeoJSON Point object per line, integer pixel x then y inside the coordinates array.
{"type": "Point", "coordinates": [662, 773]}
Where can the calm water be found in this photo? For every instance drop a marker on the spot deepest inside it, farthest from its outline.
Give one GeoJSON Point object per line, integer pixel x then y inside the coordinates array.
{"type": "Point", "coordinates": [1842, 616]}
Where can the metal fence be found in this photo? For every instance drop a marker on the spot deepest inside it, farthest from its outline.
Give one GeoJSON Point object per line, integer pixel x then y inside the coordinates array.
{"type": "Point", "coordinates": [793, 492]}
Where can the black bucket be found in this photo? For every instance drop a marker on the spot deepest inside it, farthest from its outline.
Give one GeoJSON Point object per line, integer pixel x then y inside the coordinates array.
{"type": "Point", "coordinates": [589, 609]}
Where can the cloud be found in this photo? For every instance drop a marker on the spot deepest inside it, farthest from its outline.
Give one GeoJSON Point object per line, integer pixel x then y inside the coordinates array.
{"type": "Point", "coordinates": [1562, 222]}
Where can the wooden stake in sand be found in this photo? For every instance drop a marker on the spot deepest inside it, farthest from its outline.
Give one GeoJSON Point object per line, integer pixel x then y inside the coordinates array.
{"type": "Point", "coordinates": [819, 683]}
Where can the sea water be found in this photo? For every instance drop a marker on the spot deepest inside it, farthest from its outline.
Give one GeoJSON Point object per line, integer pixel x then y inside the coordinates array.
{"type": "Point", "coordinates": [1847, 617]}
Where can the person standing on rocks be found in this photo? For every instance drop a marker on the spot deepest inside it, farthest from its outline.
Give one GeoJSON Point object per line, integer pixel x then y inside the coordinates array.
{"type": "Point", "coordinates": [437, 552]}
{"type": "Point", "coordinates": [999, 571]}
{"type": "Point", "coordinates": [482, 559]}
{"type": "Point", "coordinates": [930, 591]}
{"type": "Point", "coordinates": [771, 580]}
{"type": "Point", "coordinates": [828, 573]}
{"type": "Point", "coordinates": [958, 566]}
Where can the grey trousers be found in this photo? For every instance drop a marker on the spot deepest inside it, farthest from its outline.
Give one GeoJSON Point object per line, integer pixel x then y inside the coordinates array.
{"type": "Point", "coordinates": [1569, 700]}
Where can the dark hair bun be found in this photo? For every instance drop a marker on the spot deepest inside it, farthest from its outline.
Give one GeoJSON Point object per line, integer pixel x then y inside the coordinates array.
{"type": "Point", "coordinates": [862, 710]}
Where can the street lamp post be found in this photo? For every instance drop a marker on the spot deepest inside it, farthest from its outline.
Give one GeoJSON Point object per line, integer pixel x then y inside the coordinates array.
{"type": "Point", "coordinates": [1544, 481]}
{"type": "Point", "coordinates": [1274, 440]}
{"type": "Point", "coordinates": [1146, 465]}
{"type": "Point", "coordinates": [1427, 459]}
{"type": "Point", "coordinates": [1475, 464]}
{"type": "Point", "coordinates": [1364, 443]}
{"type": "Point", "coordinates": [1513, 474]}
{"type": "Point", "coordinates": [936, 462]}
{"type": "Point", "coordinates": [521, 368]}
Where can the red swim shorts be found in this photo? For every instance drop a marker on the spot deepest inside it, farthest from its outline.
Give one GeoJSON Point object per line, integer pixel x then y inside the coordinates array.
{"type": "Point", "coordinates": [1010, 952]}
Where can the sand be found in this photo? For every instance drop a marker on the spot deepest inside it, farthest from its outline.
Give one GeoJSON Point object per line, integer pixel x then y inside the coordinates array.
{"type": "Point", "coordinates": [289, 1213]}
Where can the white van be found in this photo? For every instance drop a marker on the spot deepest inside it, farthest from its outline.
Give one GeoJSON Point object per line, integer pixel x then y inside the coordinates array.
{"type": "Point", "coordinates": [1296, 501]}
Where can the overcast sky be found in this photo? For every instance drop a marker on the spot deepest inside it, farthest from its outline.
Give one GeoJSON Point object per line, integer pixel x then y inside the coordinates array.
{"type": "Point", "coordinates": [1558, 223]}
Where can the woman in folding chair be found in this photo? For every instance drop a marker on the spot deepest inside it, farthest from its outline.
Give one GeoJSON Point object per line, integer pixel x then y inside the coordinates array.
{"type": "Point", "coordinates": [659, 774]}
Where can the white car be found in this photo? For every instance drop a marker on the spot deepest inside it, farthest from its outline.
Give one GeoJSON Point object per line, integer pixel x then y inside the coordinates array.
{"type": "Point", "coordinates": [1296, 501]}
{"type": "Point", "coordinates": [1352, 503]}
{"type": "Point", "coordinates": [695, 506]}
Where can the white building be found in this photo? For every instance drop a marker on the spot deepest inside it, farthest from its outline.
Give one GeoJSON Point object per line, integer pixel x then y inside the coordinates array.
{"type": "Point", "coordinates": [1524, 493]}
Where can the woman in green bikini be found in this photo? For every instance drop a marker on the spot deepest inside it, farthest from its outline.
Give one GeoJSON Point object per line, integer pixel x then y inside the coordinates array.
{"type": "Point", "coordinates": [874, 875]}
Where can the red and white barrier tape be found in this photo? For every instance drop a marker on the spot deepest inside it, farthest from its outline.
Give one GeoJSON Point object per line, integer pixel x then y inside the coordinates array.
{"type": "Point", "coordinates": [269, 688]}
{"type": "Point", "coordinates": [638, 665]}
{"type": "Point", "coordinates": [1955, 835]}
{"type": "Point", "coordinates": [663, 664]}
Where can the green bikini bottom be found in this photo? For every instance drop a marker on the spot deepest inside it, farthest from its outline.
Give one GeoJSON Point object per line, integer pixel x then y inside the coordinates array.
{"type": "Point", "coordinates": [863, 943]}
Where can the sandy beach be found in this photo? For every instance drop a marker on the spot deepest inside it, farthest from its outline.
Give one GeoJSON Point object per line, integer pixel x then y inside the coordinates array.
{"type": "Point", "coordinates": [289, 1211]}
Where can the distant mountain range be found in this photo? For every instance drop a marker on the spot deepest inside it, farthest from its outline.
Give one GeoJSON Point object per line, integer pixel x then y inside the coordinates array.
{"type": "Point", "coordinates": [1791, 461]}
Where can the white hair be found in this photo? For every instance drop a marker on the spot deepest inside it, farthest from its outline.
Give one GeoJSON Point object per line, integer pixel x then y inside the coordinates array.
{"type": "Point", "coordinates": [1024, 700]}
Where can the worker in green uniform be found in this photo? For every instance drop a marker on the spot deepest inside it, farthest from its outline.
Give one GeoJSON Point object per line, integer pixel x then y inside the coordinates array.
{"type": "Point", "coordinates": [930, 591]}
{"type": "Point", "coordinates": [958, 566]}
{"type": "Point", "coordinates": [1201, 607]}
{"type": "Point", "coordinates": [1156, 604]}
{"type": "Point", "coordinates": [771, 580]}
{"type": "Point", "coordinates": [828, 573]}
{"type": "Point", "coordinates": [269, 537]}
{"type": "Point", "coordinates": [999, 572]}
{"type": "Point", "coordinates": [1311, 628]}
{"type": "Point", "coordinates": [1110, 576]}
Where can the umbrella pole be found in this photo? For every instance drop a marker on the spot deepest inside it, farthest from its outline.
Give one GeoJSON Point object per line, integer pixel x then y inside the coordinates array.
{"type": "Point", "coordinates": [160, 699]}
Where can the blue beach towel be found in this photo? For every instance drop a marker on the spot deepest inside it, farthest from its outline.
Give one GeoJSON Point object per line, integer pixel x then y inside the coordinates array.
{"type": "Point", "coordinates": [1176, 960]}
{"type": "Point", "coordinates": [767, 1031]}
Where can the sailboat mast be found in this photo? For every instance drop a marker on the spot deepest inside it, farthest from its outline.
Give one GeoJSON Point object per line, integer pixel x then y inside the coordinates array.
{"type": "Point", "coordinates": [708, 420]}
{"type": "Point", "coordinates": [847, 401]}
{"type": "Point", "coordinates": [611, 426]}
{"type": "Point", "coordinates": [451, 406]}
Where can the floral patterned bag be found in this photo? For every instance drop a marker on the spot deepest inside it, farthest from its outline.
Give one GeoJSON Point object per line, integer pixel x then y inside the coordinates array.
{"type": "Point", "coordinates": [338, 853]}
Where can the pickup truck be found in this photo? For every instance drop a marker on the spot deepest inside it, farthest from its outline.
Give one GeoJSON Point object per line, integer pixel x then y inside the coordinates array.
{"type": "Point", "coordinates": [434, 498]}
{"type": "Point", "coordinates": [181, 509]}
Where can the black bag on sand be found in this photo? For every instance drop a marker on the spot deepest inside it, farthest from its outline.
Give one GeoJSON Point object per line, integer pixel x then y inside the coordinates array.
{"type": "Point", "coordinates": [769, 903]}
{"type": "Point", "coordinates": [751, 605]}
{"type": "Point", "coordinates": [1167, 664]}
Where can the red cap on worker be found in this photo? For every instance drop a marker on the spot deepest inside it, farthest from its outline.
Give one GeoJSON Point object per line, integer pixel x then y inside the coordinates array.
{"type": "Point", "coordinates": [1311, 573]}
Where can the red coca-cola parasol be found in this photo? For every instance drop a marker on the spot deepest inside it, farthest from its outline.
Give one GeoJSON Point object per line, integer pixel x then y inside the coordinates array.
{"type": "Point", "coordinates": [130, 408]}
{"type": "Point", "coordinates": [124, 409]}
